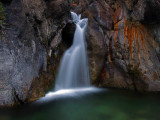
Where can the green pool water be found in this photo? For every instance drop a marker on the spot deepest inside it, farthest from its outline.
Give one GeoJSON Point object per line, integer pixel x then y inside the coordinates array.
{"type": "Point", "coordinates": [107, 104]}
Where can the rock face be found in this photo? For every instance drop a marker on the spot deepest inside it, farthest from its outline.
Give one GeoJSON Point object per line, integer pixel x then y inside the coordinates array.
{"type": "Point", "coordinates": [132, 46]}
{"type": "Point", "coordinates": [30, 27]}
{"type": "Point", "coordinates": [123, 38]}
{"type": "Point", "coordinates": [135, 47]}
{"type": "Point", "coordinates": [127, 32]}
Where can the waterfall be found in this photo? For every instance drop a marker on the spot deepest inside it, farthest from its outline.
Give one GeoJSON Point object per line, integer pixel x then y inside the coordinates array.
{"type": "Point", "coordinates": [74, 71]}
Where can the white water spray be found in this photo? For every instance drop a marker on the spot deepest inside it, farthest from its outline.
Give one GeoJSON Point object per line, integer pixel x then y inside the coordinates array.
{"type": "Point", "coordinates": [74, 71]}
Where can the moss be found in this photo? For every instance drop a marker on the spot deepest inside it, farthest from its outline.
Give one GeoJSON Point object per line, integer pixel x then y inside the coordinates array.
{"type": "Point", "coordinates": [2, 15]}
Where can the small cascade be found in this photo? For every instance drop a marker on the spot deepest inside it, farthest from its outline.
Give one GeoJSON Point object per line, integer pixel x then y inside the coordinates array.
{"type": "Point", "coordinates": [74, 70]}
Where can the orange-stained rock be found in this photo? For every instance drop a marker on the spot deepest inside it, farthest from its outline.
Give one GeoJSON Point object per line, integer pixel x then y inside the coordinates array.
{"type": "Point", "coordinates": [131, 49]}
{"type": "Point", "coordinates": [122, 35]}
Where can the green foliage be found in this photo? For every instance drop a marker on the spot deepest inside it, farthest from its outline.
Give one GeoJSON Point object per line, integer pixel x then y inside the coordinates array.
{"type": "Point", "coordinates": [2, 15]}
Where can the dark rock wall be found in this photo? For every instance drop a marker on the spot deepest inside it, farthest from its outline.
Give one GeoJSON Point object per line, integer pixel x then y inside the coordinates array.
{"type": "Point", "coordinates": [30, 27]}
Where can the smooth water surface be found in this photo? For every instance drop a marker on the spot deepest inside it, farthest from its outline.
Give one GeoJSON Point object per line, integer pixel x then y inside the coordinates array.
{"type": "Point", "coordinates": [91, 104]}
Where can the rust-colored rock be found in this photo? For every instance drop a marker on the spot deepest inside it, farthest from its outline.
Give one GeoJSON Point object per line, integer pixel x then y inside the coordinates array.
{"type": "Point", "coordinates": [123, 39]}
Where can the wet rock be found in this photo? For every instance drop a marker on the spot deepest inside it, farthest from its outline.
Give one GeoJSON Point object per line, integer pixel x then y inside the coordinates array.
{"type": "Point", "coordinates": [100, 16]}
{"type": "Point", "coordinates": [129, 31]}
{"type": "Point", "coordinates": [26, 71]}
{"type": "Point", "coordinates": [132, 43]}
{"type": "Point", "coordinates": [96, 50]}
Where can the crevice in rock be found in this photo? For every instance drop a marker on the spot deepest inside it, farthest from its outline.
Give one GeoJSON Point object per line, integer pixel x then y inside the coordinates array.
{"type": "Point", "coordinates": [16, 97]}
{"type": "Point", "coordinates": [68, 34]}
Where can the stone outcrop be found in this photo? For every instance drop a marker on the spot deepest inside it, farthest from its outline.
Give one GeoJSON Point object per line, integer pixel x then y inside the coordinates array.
{"type": "Point", "coordinates": [25, 68]}
{"type": "Point", "coordinates": [127, 31]}
{"type": "Point", "coordinates": [122, 41]}
{"type": "Point", "coordinates": [129, 34]}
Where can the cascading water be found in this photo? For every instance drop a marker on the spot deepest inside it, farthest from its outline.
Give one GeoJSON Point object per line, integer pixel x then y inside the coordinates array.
{"type": "Point", "coordinates": [74, 71]}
